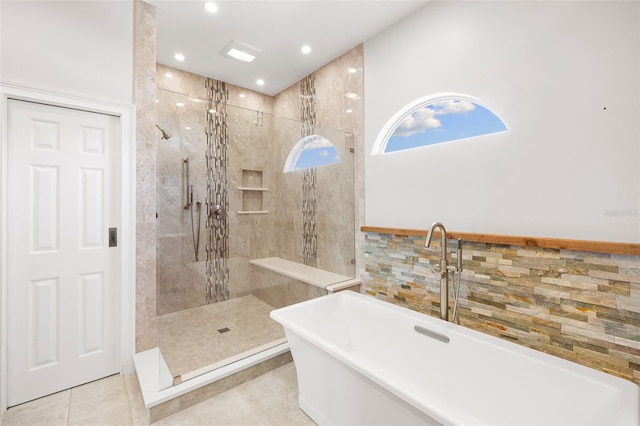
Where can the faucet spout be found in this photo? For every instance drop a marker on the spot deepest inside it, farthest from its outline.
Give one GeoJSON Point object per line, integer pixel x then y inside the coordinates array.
{"type": "Point", "coordinates": [444, 274]}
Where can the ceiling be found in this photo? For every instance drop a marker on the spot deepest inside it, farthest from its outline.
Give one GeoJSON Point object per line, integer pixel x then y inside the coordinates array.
{"type": "Point", "coordinates": [277, 28]}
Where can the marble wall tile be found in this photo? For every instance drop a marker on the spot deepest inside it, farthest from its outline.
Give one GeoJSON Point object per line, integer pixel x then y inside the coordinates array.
{"type": "Point", "coordinates": [336, 189]}
{"type": "Point", "coordinates": [286, 104]}
{"type": "Point", "coordinates": [145, 96]}
{"type": "Point", "coordinates": [181, 82]}
{"type": "Point", "coordinates": [248, 99]}
{"type": "Point", "coordinates": [250, 141]}
{"type": "Point", "coordinates": [181, 110]}
{"type": "Point", "coordinates": [259, 141]}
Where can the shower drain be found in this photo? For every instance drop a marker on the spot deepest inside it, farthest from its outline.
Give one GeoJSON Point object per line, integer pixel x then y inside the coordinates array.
{"type": "Point", "coordinates": [223, 330]}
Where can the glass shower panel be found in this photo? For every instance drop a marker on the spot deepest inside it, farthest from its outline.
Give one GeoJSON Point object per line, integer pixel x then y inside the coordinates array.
{"type": "Point", "coordinates": [180, 196]}
{"type": "Point", "coordinates": [264, 217]}
{"type": "Point", "coordinates": [180, 225]}
{"type": "Point", "coordinates": [332, 192]}
{"type": "Point", "coordinates": [251, 186]}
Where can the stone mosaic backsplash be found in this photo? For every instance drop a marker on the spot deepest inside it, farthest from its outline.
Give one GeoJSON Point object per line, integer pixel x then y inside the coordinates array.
{"type": "Point", "coordinates": [581, 306]}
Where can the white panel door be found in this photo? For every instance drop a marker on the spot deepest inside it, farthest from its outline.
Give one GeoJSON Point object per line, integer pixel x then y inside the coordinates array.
{"type": "Point", "coordinates": [63, 196]}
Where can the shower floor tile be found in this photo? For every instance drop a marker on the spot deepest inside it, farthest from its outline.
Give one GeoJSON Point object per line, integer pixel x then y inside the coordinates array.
{"type": "Point", "coordinates": [195, 338]}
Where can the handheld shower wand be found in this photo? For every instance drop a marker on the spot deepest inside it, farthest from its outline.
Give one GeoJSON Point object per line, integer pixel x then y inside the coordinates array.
{"type": "Point", "coordinates": [456, 284]}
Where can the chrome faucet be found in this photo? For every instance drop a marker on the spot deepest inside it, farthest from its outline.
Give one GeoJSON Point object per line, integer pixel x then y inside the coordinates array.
{"type": "Point", "coordinates": [444, 273]}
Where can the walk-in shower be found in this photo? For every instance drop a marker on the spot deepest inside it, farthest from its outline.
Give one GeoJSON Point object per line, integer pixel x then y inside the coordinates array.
{"type": "Point", "coordinates": [222, 171]}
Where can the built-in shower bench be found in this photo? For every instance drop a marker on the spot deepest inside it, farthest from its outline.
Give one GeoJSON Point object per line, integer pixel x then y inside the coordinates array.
{"type": "Point", "coordinates": [324, 280]}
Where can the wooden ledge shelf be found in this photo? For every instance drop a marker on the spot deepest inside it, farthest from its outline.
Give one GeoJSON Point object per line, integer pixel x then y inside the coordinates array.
{"type": "Point", "coordinates": [516, 240]}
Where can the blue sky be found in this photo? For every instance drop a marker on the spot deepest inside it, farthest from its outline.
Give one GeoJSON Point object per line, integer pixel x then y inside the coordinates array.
{"type": "Point", "coordinates": [443, 122]}
{"type": "Point", "coordinates": [314, 157]}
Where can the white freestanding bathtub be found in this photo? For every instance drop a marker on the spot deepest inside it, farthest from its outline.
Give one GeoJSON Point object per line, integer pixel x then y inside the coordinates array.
{"type": "Point", "coordinates": [360, 361]}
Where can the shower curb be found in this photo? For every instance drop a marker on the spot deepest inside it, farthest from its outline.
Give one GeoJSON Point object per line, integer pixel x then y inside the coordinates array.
{"type": "Point", "coordinates": [166, 402]}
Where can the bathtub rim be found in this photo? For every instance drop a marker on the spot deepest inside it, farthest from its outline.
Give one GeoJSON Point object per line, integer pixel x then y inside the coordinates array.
{"type": "Point", "coordinates": [401, 388]}
{"type": "Point", "coordinates": [629, 391]}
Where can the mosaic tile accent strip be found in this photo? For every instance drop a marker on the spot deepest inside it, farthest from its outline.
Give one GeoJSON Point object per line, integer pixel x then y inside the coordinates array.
{"type": "Point", "coordinates": [217, 247]}
{"type": "Point", "coordinates": [581, 306]}
{"type": "Point", "coordinates": [309, 196]}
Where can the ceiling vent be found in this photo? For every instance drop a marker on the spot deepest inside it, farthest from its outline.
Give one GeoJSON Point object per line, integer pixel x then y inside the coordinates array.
{"type": "Point", "coordinates": [239, 52]}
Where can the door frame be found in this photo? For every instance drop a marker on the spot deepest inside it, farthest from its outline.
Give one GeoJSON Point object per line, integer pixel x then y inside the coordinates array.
{"type": "Point", "coordinates": [127, 237]}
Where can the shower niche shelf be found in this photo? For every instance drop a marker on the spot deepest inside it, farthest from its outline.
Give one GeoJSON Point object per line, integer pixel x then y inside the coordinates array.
{"type": "Point", "coordinates": [252, 192]}
{"type": "Point", "coordinates": [249, 188]}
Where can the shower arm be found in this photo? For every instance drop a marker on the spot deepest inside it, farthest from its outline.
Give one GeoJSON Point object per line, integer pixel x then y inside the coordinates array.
{"type": "Point", "coordinates": [188, 187]}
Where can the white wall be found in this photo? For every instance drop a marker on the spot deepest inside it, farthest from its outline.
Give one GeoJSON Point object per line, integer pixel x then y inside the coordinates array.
{"type": "Point", "coordinates": [75, 47]}
{"type": "Point", "coordinates": [81, 48]}
{"type": "Point", "coordinates": [567, 167]}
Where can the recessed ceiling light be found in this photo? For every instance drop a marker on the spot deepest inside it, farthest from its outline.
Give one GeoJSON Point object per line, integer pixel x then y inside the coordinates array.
{"type": "Point", "coordinates": [351, 95]}
{"type": "Point", "coordinates": [187, 127]}
{"type": "Point", "coordinates": [242, 95]}
{"type": "Point", "coordinates": [306, 50]}
{"type": "Point", "coordinates": [212, 111]}
{"type": "Point", "coordinates": [211, 7]}
{"type": "Point", "coordinates": [352, 70]}
{"type": "Point", "coordinates": [179, 57]}
{"type": "Point", "coordinates": [239, 51]}
{"type": "Point", "coordinates": [349, 111]}
{"type": "Point", "coordinates": [168, 74]}
{"type": "Point", "coordinates": [179, 104]}
{"type": "Point", "coordinates": [157, 101]}
{"type": "Point", "coordinates": [260, 82]}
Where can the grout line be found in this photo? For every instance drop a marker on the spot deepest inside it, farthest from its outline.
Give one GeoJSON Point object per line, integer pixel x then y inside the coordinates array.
{"type": "Point", "coordinates": [126, 389]}
{"type": "Point", "coordinates": [69, 408]}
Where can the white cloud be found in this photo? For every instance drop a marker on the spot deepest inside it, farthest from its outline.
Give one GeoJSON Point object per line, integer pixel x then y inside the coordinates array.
{"type": "Point", "coordinates": [418, 122]}
{"type": "Point", "coordinates": [317, 142]}
{"type": "Point", "coordinates": [425, 118]}
{"type": "Point", "coordinates": [453, 107]}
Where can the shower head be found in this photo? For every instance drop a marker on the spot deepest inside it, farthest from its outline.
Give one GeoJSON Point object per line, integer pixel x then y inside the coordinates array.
{"type": "Point", "coordinates": [165, 134]}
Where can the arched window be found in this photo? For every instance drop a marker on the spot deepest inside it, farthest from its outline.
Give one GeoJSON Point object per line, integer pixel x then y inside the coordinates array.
{"type": "Point", "coordinates": [436, 119]}
{"type": "Point", "coordinates": [311, 151]}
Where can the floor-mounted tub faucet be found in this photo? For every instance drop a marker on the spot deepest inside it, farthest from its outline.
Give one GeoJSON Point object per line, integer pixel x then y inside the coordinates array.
{"type": "Point", "coordinates": [444, 273]}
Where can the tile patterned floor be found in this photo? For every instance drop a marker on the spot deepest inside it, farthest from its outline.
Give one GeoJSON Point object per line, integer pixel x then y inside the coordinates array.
{"type": "Point", "coordinates": [271, 399]}
{"type": "Point", "coordinates": [190, 340]}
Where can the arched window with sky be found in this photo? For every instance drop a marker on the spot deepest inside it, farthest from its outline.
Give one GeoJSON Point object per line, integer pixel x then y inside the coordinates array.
{"type": "Point", "coordinates": [437, 119]}
{"type": "Point", "coordinates": [311, 151]}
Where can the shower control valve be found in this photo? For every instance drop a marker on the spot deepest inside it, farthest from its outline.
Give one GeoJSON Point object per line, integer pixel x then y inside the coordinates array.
{"type": "Point", "coordinates": [218, 212]}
